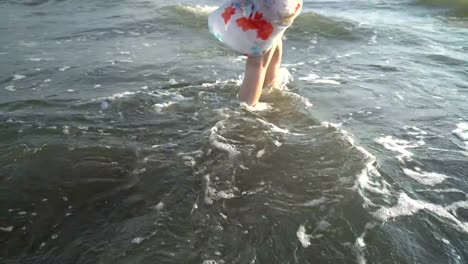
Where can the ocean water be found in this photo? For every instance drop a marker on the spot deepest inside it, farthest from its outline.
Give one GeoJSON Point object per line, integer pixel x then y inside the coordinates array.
{"type": "Point", "coordinates": [122, 141]}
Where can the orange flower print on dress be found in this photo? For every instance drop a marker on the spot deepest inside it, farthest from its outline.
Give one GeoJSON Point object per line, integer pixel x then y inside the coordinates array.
{"type": "Point", "coordinates": [251, 27]}
{"type": "Point", "coordinates": [297, 7]}
{"type": "Point", "coordinates": [258, 23]}
{"type": "Point", "coordinates": [228, 13]}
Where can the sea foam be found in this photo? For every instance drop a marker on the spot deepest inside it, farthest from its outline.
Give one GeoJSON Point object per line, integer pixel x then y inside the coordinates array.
{"type": "Point", "coordinates": [462, 131]}
{"type": "Point", "coordinates": [426, 178]}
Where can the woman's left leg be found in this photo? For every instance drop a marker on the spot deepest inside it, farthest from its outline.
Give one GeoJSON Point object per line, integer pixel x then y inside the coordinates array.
{"type": "Point", "coordinates": [274, 65]}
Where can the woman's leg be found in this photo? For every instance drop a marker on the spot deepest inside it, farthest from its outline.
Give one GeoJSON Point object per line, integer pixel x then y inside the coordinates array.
{"type": "Point", "coordinates": [255, 70]}
{"type": "Point", "coordinates": [274, 66]}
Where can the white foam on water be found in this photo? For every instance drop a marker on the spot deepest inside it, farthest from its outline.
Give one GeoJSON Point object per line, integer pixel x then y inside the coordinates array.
{"type": "Point", "coordinates": [449, 190]}
{"type": "Point", "coordinates": [277, 143]}
{"type": "Point", "coordinates": [64, 68]}
{"type": "Point", "coordinates": [333, 125]}
{"type": "Point", "coordinates": [284, 77]}
{"type": "Point", "coordinates": [465, 147]}
{"type": "Point", "coordinates": [310, 77]}
{"type": "Point", "coordinates": [120, 95]}
{"type": "Point", "coordinates": [303, 237]}
{"type": "Point", "coordinates": [369, 179]}
{"type": "Point", "coordinates": [462, 131]}
{"type": "Point", "coordinates": [426, 178]}
{"type": "Point", "coordinates": [212, 262]}
{"type": "Point", "coordinates": [6, 229]}
{"type": "Point", "coordinates": [162, 106]}
{"type": "Point", "coordinates": [112, 98]}
{"type": "Point", "coordinates": [215, 142]}
{"type": "Point", "coordinates": [407, 206]}
{"type": "Point", "coordinates": [316, 202]}
{"type": "Point", "coordinates": [159, 206]}
{"type": "Point", "coordinates": [259, 107]}
{"type": "Point", "coordinates": [326, 81]}
{"type": "Point", "coordinates": [457, 205]}
{"type": "Point", "coordinates": [210, 192]}
{"type": "Point", "coordinates": [243, 167]}
{"type": "Point", "coordinates": [223, 194]}
{"type": "Point", "coordinates": [360, 244]}
{"type": "Point", "coordinates": [306, 103]}
{"type": "Point", "coordinates": [373, 39]}
{"type": "Point", "coordinates": [399, 145]}
{"type": "Point", "coordinates": [399, 96]}
{"type": "Point", "coordinates": [206, 85]}
{"type": "Point", "coordinates": [10, 88]}
{"type": "Point", "coordinates": [273, 128]}
{"type": "Point", "coordinates": [66, 130]}
{"type": "Point", "coordinates": [280, 83]}
{"type": "Point", "coordinates": [189, 161]}
{"type": "Point", "coordinates": [364, 181]}
{"type": "Point", "coordinates": [104, 105]}
{"type": "Point", "coordinates": [260, 153]}
{"type": "Point", "coordinates": [35, 59]}
{"type": "Point", "coordinates": [137, 240]}
{"type": "Point", "coordinates": [17, 77]}
{"type": "Point", "coordinates": [199, 9]}
{"type": "Point", "coordinates": [223, 215]}
{"type": "Point", "coordinates": [415, 131]}
{"type": "Point", "coordinates": [314, 78]}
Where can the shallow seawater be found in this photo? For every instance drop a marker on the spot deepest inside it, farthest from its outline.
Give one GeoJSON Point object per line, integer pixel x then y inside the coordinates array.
{"type": "Point", "coordinates": [122, 141]}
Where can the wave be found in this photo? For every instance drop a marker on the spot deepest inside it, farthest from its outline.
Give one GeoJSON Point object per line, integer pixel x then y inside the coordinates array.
{"type": "Point", "coordinates": [187, 16]}
{"type": "Point", "coordinates": [176, 18]}
{"type": "Point", "coordinates": [455, 7]}
{"type": "Point", "coordinates": [311, 23]}
{"type": "Point", "coordinates": [30, 2]}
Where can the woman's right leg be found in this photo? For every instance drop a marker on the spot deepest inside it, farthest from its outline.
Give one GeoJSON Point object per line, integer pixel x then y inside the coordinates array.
{"type": "Point", "coordinates": [272, 72]}
{"type": "Point", "coordinates": [254, 79]}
